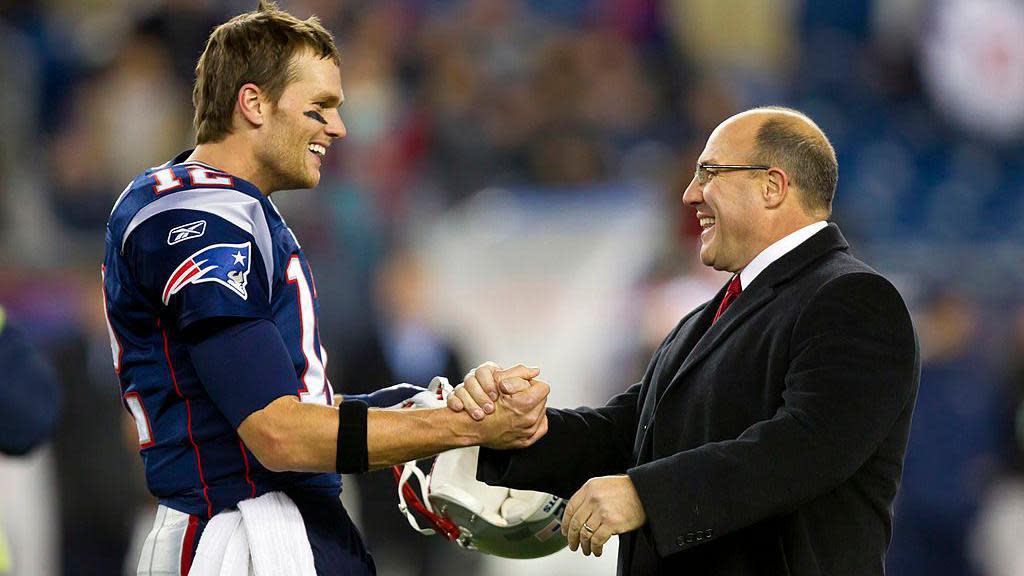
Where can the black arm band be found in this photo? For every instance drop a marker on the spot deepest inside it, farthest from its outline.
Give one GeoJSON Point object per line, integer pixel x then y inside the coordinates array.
{"type": "Point", "coordinates": [352, 457]}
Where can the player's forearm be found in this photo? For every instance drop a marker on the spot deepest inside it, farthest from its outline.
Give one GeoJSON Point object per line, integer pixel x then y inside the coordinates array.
{"type": "Point", "coordinates": [289, 435]}
{"type": "Point", "coordinates": [392, 436]}
{"type": "Point", "coordinates": [397, 436]}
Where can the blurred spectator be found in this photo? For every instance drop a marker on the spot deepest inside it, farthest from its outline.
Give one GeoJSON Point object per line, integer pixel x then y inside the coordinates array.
{"type": "Point", "coordinates": [100, 485]}
{"type": "Point", "coordinates": [749, 44]}
{"type": "Point", "coordinates": [953, 442]}
{"type": "Point", "coordinates": [30, 403]}
{"type": "Point", "coordinates": [185, 26]}
{"type": "Point", "coordinates": [31, 395]}
{"type": "Point", "coordinates": [403, 347]}
{"type": "Point", "coordinates": [136, 98]}
{"type": "Point", "coordinates": [995, 543]}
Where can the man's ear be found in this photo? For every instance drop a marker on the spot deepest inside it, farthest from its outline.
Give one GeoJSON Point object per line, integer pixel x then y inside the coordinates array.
{"type": "Point", "coordinates": [776, 189]}
{"type": "Point", "coordinates": [252, 104]}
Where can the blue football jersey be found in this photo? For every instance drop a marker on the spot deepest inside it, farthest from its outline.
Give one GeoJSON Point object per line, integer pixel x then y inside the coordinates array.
{"type": "Point", "coordinates": [186, 242]}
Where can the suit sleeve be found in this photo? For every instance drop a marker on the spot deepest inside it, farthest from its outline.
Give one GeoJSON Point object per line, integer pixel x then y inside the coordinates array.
{"type": "Point", "coordinates": [580, 444]}
{"type": "Point", "coordinates": [853, 371]}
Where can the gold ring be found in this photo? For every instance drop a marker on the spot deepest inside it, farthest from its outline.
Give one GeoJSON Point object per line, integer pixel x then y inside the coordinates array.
{"type": "Point", "coordinates": [588, 528]}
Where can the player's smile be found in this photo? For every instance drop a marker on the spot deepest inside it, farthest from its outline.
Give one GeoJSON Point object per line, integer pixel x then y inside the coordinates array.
{"type": "Point", "coordinates": [317, 150]}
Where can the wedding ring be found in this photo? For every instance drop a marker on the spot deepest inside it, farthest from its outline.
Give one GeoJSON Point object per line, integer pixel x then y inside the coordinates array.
{"type": "Point", "coordinates": [588, 528]}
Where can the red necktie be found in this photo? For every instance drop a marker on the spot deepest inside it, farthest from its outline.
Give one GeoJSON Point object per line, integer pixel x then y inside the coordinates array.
{"type": "Point", "coordinates": [731, 294]}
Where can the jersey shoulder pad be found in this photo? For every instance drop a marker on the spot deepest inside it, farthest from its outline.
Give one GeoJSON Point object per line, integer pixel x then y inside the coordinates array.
{"type": "Point", "coordinates": [197, 224]}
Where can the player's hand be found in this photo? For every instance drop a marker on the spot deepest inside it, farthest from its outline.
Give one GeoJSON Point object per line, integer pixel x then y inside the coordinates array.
{"type": "Point", "coordinates": [482, 385]}
{"type": "Point", "coordinates": [519, 419]}
{"type": "Point", "coordinates": [609, 505]}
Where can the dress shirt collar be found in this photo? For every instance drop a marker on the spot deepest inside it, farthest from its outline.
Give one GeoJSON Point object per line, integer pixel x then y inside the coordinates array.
{"type": "Point", "coordinates": [778, 250]}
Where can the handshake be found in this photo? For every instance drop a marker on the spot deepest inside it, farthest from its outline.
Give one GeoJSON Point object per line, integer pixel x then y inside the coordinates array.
{"type": "Point", "coordinates": [508, 405]}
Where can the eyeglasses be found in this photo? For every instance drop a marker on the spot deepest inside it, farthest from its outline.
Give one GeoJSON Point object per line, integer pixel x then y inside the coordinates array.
{"type": "Point", "coordinates": [706, 171]}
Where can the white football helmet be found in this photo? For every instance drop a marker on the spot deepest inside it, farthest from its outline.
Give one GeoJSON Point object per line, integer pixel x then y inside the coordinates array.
{"type": "Point", "coordinates": [492, 519]}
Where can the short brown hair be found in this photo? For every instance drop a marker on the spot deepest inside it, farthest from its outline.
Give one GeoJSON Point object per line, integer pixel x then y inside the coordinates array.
{"type": "Point", "coordinates": [806, 155]}
{"type": "Point", "coordinates": [255, 47]}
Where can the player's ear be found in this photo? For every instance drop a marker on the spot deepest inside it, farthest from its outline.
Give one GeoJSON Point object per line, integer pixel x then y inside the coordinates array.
{"type": "Point", "coordinates": [251, 104]}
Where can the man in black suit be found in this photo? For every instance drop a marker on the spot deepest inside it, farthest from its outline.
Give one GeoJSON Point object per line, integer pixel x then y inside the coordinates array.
{"type": "Point", "coordinates": [768, 432]}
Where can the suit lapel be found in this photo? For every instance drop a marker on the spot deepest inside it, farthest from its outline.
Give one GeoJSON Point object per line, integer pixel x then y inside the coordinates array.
{"type": "Point", "coordinates": [686, 337]}
{"type": "Point", "coordinates": [761, 291]}
{"type": "Point", "coordinates": [754, 297]}
{"type": "Point", "coordinates": [749, 301]}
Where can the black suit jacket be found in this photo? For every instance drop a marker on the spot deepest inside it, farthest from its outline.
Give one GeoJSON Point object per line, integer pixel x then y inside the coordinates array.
{"type": "Point", "coordinates": [770, 442]}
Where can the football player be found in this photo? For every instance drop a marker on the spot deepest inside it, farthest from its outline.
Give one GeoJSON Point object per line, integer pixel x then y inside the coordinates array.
{"type": "Point", "coordinates": [213, 313]}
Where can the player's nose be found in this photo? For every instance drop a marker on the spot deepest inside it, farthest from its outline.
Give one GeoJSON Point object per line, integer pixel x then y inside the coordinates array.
{"type": "Point", "coordinates": [335, 127]}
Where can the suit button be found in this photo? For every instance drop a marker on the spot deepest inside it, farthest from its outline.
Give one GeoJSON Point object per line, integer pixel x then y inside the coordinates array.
{"type": "Point", "coordinates": [699, 536]}
{"type": "Point", "coordinates": [680, 541]}
{"type": "Point", "coordinates": [689, 538]}
{"type": "Point", "coordinates": [707, 533]}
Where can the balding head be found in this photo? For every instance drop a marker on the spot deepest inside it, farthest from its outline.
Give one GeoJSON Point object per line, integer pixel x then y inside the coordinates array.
{"type": "Point", "coordinates": [788, 139]}
{"type": "Point", "coordinates": [763, 174]}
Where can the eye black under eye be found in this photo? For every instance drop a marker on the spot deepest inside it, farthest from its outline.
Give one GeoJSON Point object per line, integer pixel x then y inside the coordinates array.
{"type": "Point", "coordinates": [316, 116]}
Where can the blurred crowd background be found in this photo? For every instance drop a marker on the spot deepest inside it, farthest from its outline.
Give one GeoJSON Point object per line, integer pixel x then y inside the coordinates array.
{"type": "Point", "coordinates": [510, 190]}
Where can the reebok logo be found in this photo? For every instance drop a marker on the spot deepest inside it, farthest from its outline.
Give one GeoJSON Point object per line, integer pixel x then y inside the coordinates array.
{"type": "Point", "coordinates": [186, 232]}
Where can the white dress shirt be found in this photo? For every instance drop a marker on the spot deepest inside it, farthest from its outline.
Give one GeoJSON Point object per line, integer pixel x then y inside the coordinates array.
{"type": "Point", "coordinates": [778, 250]}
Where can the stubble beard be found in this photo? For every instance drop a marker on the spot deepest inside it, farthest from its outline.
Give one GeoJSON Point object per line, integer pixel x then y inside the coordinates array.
{"type": "Point", "coordinates": [284, 170]}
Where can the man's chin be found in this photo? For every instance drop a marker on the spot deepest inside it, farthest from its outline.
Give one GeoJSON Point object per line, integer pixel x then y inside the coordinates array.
{"type": "Point", "coordinates": [303, 182]}
{"type": "Point", "coordinates": [311, 178]}
{"type": "Point", "coordinates": [706, 257]}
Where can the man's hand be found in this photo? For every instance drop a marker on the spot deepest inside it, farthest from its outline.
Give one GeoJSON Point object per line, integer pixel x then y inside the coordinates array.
{"type": "Point", "coordinates": [603, 507]}
{"type": "Point", "coordinates": [519, 419]}
{"type": "Point", "coordinates": [482, 385]}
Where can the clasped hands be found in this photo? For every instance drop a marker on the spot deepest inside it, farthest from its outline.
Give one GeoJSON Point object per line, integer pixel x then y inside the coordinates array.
{"type": "Point", "coordinates": [603, 507]}
{"type": "Point", "coordinates": [508, 405]}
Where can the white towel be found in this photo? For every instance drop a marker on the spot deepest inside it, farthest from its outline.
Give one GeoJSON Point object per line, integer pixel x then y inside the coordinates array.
{"type": "Point", "coordinates": [264, 537]}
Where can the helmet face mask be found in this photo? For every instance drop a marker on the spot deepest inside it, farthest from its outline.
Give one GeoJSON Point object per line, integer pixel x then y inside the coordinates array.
{"type": "Point", "coordinates": [491, 519]}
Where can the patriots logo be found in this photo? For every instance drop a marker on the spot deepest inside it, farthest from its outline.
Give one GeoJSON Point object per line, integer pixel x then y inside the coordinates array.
{"type": "Point", "coordinates": [186, 232]}
{"type": "Point", "coordinates": [225, 264]}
